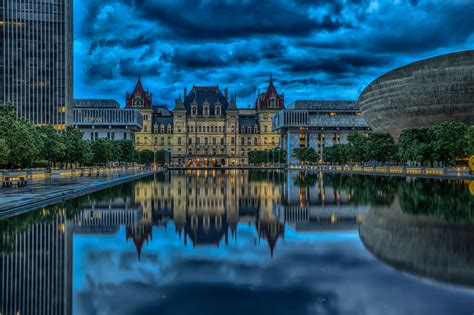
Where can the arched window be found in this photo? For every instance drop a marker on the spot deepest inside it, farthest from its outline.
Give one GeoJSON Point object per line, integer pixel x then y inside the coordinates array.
{"type": "Point", "coordinates": [265, 140]}
{"type": "Point", "coordinates": [249, 141]}
{"type": "Point", "coordinates": [255, 141]}
{"type": "Point", "coordinates": [273, 140]}
{"type": "Point", "coordinates": [265, 129]}
{"type": "Point", "coordinates": [162, 141]}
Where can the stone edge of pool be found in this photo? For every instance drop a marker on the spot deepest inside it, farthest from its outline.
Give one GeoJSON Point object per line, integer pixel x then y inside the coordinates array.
{"type": "Point", "coordinates": [74, 193]}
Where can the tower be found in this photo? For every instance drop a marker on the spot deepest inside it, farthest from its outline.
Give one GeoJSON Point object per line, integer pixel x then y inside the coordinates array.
{"type": "Point", "coordinates": [267, 105]}
{"type": "Point", "coordinates": [36, 60]}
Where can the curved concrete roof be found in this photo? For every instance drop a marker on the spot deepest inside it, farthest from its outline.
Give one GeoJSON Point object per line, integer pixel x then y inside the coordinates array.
{"type": "Point", "coordinates": [427, 92]}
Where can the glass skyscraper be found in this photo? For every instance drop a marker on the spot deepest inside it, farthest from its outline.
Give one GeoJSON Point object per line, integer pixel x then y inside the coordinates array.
{"type": "Point", "coordinates": [36, 61]}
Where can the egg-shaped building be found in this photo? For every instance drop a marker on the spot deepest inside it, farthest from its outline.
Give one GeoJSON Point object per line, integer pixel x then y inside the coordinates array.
{"type": "Point", "coordinates": [423, 93]}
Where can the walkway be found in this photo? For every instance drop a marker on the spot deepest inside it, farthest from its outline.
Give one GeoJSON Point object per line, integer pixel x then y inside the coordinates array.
{"type": "Point", "coordinates": [49, 191]}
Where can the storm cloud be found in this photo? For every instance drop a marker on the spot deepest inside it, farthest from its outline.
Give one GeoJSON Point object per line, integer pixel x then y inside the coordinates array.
{"type": "Point", "coordinates": [314, 49]}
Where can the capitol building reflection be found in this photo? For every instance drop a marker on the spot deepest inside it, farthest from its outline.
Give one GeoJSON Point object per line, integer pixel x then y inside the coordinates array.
{"type": "Point", "coordinates": [205, 207]}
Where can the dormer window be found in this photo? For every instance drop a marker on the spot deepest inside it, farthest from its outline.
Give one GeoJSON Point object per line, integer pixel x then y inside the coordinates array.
{"type": "Point", "coordinates": [249, 129]}
{"type": "Point", "coordinates": [194, 109]}
{"type": "Point", "coordinates": [169, 128]}
{"type": "Point", "coordinates": [155, 128]}
{"type": "Point", "coordinates": [162, 128]}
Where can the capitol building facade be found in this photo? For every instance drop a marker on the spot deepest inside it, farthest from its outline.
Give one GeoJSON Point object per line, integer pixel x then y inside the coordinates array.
{"type": "Point", "coordinates": [206, 127]}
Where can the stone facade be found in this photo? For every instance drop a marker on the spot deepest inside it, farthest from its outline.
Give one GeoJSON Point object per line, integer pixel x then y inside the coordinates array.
{"type": "Point", "coordinates": [317, 124]}
{"type": "Point", "coordinates": [423, 93]}
{"type": "Point", "coordinates": [206, 127]}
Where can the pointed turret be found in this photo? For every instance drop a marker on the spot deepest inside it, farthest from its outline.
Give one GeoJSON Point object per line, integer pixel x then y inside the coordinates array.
{"type": "Point", "coordinates": [179, 104]}
{"type": "Point", "coordinates": [233, 102]}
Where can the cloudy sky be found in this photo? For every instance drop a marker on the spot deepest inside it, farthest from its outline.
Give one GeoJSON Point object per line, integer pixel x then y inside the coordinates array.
{"type": "Point", "coordinates": [314, 49]}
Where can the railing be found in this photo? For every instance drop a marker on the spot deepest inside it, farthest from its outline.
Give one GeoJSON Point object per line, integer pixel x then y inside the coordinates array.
{"type": "Point", "coordinates": [459, 171]}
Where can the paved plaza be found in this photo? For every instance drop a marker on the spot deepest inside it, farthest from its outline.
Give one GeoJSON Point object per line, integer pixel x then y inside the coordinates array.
{"type": "Point", "coordinates": [44, 192]}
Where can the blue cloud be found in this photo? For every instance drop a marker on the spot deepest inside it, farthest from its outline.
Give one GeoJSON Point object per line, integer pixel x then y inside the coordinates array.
{"type": "Point", "coordinates": [314, 49]}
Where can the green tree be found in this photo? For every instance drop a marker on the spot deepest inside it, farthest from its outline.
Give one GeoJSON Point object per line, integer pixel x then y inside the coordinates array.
{"type": "Point", "coordinates": [414, 145]}
{"type": "Point", "coordinates": [4, 152]}
{"type": "Point", "coordinates": [54, 149]}
{"type": "Point", "coordinates": [448, 142]}
{"type": "Point", "coordinates": [338, 153]}
{"type": "Point", "coordinates": [103, 150]}
{"type": "Point", "coordinates": [470, 140]}
{"type": "Point", "coordinates": [74, 146]}
{"type": "Point", "coordinates": [22, 140]}
{"type": "Point", "coordinates": [87, 155]}
{"type": "Point", "coordinates": [305, 155]}
{"type": "Point", "coordinates": [146, 156]}
{"type": "Point", "coordinates": [357, 149]}
{"type": "Point", "coordinates": [128, 153]}
{"type": "Point", "coordinates": [380, 147]}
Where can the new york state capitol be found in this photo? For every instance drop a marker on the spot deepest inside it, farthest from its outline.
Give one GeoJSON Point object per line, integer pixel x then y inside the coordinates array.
{"type": "Point", "coordinates": [208, 128]}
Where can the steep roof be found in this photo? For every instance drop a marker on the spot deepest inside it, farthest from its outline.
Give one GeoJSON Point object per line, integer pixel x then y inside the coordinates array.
{"type": "Point", "coordinates": [263, 99]}
{"type": "Point", "coordinates": [209, 94]}
{"type": "Point", "coordinates": [140, 91]}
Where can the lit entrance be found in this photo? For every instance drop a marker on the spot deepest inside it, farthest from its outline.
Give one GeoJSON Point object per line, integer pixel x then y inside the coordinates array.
{"type": "Point", "coordinates": [214, 163]}
{"type": "Point", "coordinates": [190, 163]}
{"type": "Point", "coordinates": [206, 162]}
{"type": "Point", "coordinates": [198, 163]}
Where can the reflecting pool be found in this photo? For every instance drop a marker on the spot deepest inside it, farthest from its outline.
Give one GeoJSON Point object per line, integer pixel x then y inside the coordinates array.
{"type": "Point", "coordinates": [246, 242]}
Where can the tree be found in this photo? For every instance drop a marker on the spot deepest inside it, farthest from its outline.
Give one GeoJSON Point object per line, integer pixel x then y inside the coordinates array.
{"type": "Point", "coordinates": [470, 140]}
{"type": "Point", "coordinates": [4, 152]}
{"type": "Point", "coordinates": [103, 151]}
{"type": "Point", "coordinates": [414, 145]}
{"type": "Point", "coordinates": [357, 149]}
{"type": "Point", "coordinates": [54, 149]}
{"type": "Point", "coordinates": [338, 153]}
{"type": "Point", "coordinates": [380, 147]}
{"type": "Point", "coordinates": [21, 139]}
{"type": "Point", "coordinates": [305, 155]}
{"type": "Point", "coordinates": [128, 153]}
{"type": "Point", "coordinates": [448, 142]}
{"type": "Point", "coordinates": [146, 157]}
{"type": "Point", "coordinates": [87, 155]}
{"type": "Point", "coordinates": [72, 139]}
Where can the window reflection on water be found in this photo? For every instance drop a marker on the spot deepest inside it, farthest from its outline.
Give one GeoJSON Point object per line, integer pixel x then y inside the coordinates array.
{"type": "Point", "coordinates": [424, 227]}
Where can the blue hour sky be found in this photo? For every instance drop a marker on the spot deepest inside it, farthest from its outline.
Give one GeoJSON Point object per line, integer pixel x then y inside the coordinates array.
{"type": "Point", "coordinates": [314, 49]}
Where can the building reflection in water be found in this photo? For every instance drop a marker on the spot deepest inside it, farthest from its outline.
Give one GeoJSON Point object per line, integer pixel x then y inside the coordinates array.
{"type": "Point", "coordinates": [36, 266]}
{"type": "Point", "coordinates": [205, 208]}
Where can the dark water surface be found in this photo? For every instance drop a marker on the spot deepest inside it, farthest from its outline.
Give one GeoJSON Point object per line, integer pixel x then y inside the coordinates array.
{"type": "Point", "coordinates": [246, 242]}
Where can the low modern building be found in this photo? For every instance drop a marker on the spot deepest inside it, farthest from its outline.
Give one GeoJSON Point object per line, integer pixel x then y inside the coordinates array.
{"type": "Point", "coordinates": [99, 119]}
{"type": "Point", "coordinates": [317, 124]}
{"type": "Point", "coordinates": [420, 94]}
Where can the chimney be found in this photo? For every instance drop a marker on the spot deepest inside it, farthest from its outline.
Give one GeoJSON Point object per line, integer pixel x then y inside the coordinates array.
{"type": "Point", "coordinates": [226, 91]}
{"type": "Point", "coordinates": [185, 92]}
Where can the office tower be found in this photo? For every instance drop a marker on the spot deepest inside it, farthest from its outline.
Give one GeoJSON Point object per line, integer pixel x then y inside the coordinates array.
{"type": "Point", "coordinates": [36, 62]}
